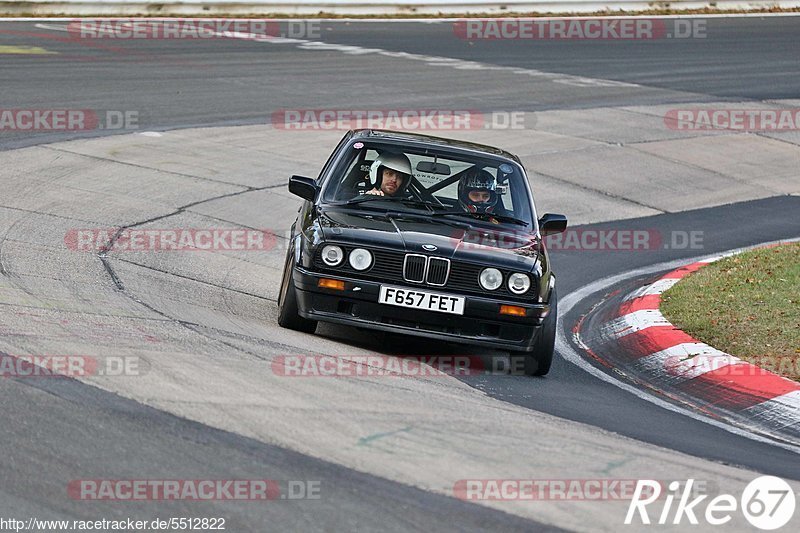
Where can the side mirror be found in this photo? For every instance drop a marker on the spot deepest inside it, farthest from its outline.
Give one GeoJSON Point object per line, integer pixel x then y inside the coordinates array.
{"type": "Point", "coordinates": [303, 187]}
{"type": "Point", "coordinates": [551, 223]}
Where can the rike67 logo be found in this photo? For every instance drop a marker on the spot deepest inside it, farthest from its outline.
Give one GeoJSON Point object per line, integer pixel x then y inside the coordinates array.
{"type": "Point", "coordinates": [767, 503]}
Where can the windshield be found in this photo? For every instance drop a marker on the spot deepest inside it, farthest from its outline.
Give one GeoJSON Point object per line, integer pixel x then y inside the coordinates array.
{"type": "Point", "coordinates": [375, 175]}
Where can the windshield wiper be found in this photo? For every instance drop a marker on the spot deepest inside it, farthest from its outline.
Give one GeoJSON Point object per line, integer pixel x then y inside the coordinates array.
{"type": "Point", "coordinates": [482, 216]}
{"type": "Point", "coordinates": [397, 215]}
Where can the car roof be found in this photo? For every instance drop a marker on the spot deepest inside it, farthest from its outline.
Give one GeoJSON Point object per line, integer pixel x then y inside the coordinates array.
{"type": "Point", "coordinates": [419, 139]}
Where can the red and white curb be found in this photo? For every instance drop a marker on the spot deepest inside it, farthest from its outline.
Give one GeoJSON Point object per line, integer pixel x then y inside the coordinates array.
{"type": "Point", "coordinates": [682, 364]}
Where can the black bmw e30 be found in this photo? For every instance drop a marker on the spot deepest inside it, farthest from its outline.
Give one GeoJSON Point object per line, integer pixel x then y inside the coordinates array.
{"type": "Point", "coordinates": [423, 236]}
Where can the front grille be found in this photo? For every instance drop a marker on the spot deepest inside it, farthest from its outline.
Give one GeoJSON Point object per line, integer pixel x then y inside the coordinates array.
{"type": "Point", "coordinates": [414, 268]}
{"type": "Point", "coordinates": [423, 269]}
{"type": "Point", "coordinates": [438, 269]}
{"type": "Point", "coordinates": [392, 266]}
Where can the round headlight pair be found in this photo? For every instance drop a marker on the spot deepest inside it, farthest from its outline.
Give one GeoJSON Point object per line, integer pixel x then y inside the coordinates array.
{"type": "Point", "coordinates": [360, 259]}
{"type": "Point", "coordinates": [491, 279]}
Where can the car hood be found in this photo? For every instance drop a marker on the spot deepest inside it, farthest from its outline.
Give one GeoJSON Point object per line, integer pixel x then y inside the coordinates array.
{"type": "Point", "coordinates": [503, 246]}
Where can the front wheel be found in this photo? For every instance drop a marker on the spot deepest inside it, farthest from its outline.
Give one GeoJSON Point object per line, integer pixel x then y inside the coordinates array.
{"type": "Point", "coordinates": [288, 317]}
{"type": "Point", "coordinates": [537, 362]}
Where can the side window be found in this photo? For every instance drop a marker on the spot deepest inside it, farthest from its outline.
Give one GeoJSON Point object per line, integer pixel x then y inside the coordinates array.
{"type": "Point", "coordinates": [355, 180]}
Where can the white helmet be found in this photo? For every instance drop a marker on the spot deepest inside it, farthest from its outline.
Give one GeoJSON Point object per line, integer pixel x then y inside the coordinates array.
{"type": "Point", "coordinates": [398, 162]}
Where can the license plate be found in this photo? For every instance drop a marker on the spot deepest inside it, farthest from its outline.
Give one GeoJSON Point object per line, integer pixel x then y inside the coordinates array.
{"type": "Point", "coordinates": [415, 299]}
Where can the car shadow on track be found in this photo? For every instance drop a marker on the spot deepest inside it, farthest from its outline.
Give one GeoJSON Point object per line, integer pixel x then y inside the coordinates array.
{"type": "Point", "coordinates": [470, 364]}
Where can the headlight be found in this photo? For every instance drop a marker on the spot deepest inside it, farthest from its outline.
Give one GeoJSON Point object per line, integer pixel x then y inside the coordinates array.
{"type": "Point", "coordinates": [332, 255]}
{"type": "Point", "coordinates": [360, 259]}
{"type": "Point", "coordinates": [519, 283]}
{"type": "Point", "coordinates": [491, 279]}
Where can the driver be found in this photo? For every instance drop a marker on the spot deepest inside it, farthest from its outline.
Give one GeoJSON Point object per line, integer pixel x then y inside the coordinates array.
{"type": "Point", "coordinates": [389, 174]}
{"type": "Point", "coordinates": [477, 191]}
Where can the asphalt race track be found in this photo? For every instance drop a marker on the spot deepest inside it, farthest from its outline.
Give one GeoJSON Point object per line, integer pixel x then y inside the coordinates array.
{"type": "Point", "coordinates": [207, 150]}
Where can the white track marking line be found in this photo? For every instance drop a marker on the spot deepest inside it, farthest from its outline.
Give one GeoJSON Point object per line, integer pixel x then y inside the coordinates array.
{"type": "Point", "coordinates": [461, 64]}
{"type": "Point", "coordinates": [570, 354]}
{"type": "Point", "coordinates": [54, 27]}
{"type": "Point", "coordinates": [458, 64]}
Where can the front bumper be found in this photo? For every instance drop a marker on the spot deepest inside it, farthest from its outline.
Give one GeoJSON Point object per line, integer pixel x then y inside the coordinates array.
{"type": "Point", "coordinates": [357, 305]}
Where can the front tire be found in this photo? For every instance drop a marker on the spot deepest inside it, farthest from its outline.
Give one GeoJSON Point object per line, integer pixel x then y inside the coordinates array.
{"type": "Point", "coordinates": [288, 317]}
{"type": "Point", "coordinates": [538, 362]}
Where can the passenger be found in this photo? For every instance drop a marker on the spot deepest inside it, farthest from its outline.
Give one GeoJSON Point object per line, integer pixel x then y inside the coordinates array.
{"type": "Point", "coordinates": [477, 191]}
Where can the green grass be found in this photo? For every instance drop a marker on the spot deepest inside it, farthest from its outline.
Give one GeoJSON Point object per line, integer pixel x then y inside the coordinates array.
{"type": "Point", "coordinates": [747, 305]}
